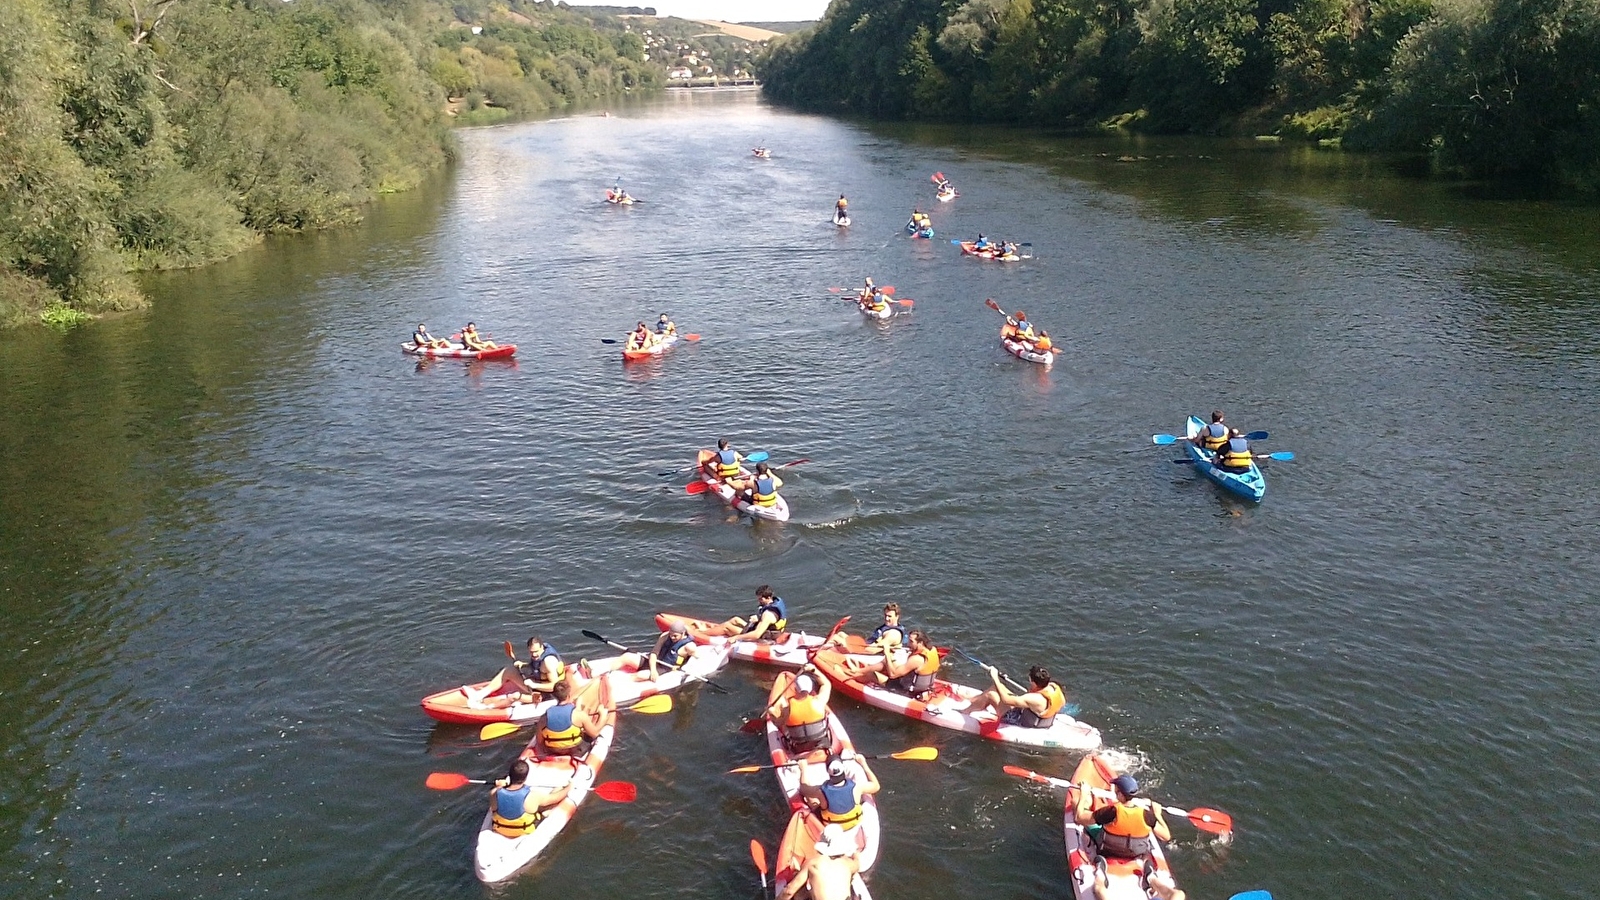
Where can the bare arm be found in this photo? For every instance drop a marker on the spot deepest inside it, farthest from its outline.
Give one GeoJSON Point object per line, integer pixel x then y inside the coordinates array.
{"type": "Point", "coordinates": [794, 887]}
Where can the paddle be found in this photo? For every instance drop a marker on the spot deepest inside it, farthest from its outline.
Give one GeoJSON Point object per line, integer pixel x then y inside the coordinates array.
{"type": "Point", "coordinates": [615, 791]}
{"type": "Point", "coordinates": [687, 337]}
{"type": "Point", "coordinates": [1282, 455]}
{"type": "Point", "coordinates": [1214, 821]}
{"type": "Point", "coordinates": [696, 487]}
{"type": "Point", "coordinates": [1070, 709]}
{"type": "Point", "coordinates": [887, 290]}
{"type": "Point", "coordinates": [1252, 895]}
{"type": "Point", "coordinates": [604, 640]}
{"type": "Point", "coordinates": [756, 726]}
{"type": "Point", "coordinates": [758, 855]}
{"type": "Point", "coordinates": [650, 706]}
{"type": "Point", "coordinates": [1162, 440]}
{"type": "Point", "coordinates": [918, 753]}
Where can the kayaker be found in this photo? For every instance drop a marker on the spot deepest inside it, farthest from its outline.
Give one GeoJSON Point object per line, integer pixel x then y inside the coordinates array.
{"type": "Point", "coordinates": [890, 634]}
{"type": "Point", "coordinates": [532, 679]}
{"type": "Point", "coordinates": [1023, 328]}
{"type": "Point", "coordinates": [762, 488]}
{"type": "Point", "coordinates": [422, 339]}
{"type": "Point", "coordinates": [837, 797]}
{"type": "Point", "coordinates": [1008, 249]}
{"type": "Point", "coordinates": [1129, 827]}
{"type": "Point", "coordinates": [723, 463]}
{"type": "Point", "coordinates": [1034, 709]}
{"type": "Point", "coordinates": [469, 337]}
{"type": "Point", "coordinates": [866, 292]}
{"type": "Point", "coordinates": [981, 243]}
{"type": "Point", "coordinates": [640, 338]}
{"type": "Point", "coordinates": [830, 873]}
{"type": "Point", "coordinates": [665, 325]}
{"type": "Point", "coordinates": [802, 713]}
{"type": "Point", "coordinates": [574, 720]}
{"type": "Point", "coordinates": [673, 648]}
{"type": "Point", "coordinates": [912, 672]}
{"type": "Point", "coordinates": [1235, 455]}
{"type": "Point", "coordinates": [1213, 436]}
{"type": "Point", "coordinates": [771, 618]}
{"type": "Point", "coordinates": [1043, 344]}
{"type": "Point", "coordinates": [514, 808]}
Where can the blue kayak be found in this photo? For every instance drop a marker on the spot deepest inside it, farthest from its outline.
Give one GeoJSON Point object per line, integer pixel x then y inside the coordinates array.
{"type": "Point", "coordinates": [1249, 485]}
{"type": "Point", "coordinates": [911, 229]}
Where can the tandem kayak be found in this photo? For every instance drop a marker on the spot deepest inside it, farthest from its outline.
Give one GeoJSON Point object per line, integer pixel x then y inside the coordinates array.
{"type": "Point", "coordinates": [1022, 350]}
{"type": "Point", "coordinates": [886, 313]}
{"type": "Point", "coordinates": [970, 248]}
{"type": "Point", "coordinates": [914, 231]}
{"type": "Point", "coordinates": [867, 831]}
{"type": "Point", "coordinates": [761, 152]}
{"type": "Point", "coordinates": [499, 857]}
{"type": "Point", "coordinates": [459, 351]}
{"type": "Point", "coordinates": [946, 196]}
{"type": "Point", "coordinates": [798, 848]}
{"type": "Point", "coordinates": [778, 512]}
{"type": "Point", "coordinates": [452, 706]}
{"type": "Point", "coordinates": [1126, 879]}
{"type": "Point", "coordinates": [790, 649]}
{"type": "Point", "coordinates": [948, 707]}
{"type": "Point", "coordinates": [655, 349]}
{"type": "Point", "coordinates": [1249, 484]}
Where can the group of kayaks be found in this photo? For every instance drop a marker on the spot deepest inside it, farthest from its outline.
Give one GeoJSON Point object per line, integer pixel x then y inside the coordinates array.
{"type": "Point", "coordinates": [800, 771]}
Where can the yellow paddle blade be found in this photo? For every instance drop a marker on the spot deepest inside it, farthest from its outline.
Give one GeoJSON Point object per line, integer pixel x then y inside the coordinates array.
{"type": "Point", "coordinates": [744, 770]}
{"type": "Point", "coordinates": [660, 703]}
{"type": "Point", "coordinates": [497, 730]}
{"type": "Point", "coordinates": [917, 753]}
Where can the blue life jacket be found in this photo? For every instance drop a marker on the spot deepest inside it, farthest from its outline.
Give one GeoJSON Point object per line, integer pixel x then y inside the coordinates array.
{"type": "Point", "coordinates": [672, 651]}
{"type": "Point", "coordinates": [885, 629]}
{"type": "Point", "coordinates": [560, 733]}
{"type": "Point", "coordinates": [510, 804]}
{"type": "Point", "coordinates": [779, 608]}
{"type": "Point", "coordinates": [839, 803]}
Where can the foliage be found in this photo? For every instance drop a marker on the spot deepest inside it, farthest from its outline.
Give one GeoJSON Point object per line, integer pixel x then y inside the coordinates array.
{"type": "Point", "coordinates": [1487, 86]}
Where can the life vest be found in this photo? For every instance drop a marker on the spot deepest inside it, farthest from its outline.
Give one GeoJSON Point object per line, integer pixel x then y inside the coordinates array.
{"type": "Point", "coordinates": [842, 204]}
{"type": "Point", "coordinates": [1042, 344]}
{"type": "Point", "coordinates": [766, 492]}
{"type": "Point", "coordinates": [1128, 836]}
{"type": "Point", "coordinates": [877, 303]}
{"type": "Point", "coordinates": [778, 608]}
{"type": "Point", "coordinates": [535, 669]}
{"type": "Point", "coordinates": [1236, 455]}
{"type": "Point", "coordinates": [922, 680]}
{"type": "Point", "coordinates": [806, 726]}
{"type": "Point", "coordinates": [1213, 436]}
{"type": "Point", "coordinates": [672, 651]}
{"type": "Point", "coordinates": [560, 733]}
{"type": "Point", "coordinates": [1054, 699]}
{"type": "Point", "coordinates": [665, 327]}
{"type": "Point", "coordinates": [839, 804]}
{"type": "Point", "coordinates": [881, 630]}
{"type": "Point", "coordinates": [1024, 331]}
{"type": "Point", "coordinates": [421, 338]}
{"type": "Point", "coordinates": [512, 817]}
{"type": "Point", "coordinates": [728, 463]}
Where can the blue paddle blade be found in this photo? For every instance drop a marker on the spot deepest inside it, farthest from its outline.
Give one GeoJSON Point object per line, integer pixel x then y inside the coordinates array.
{"type": "Point", "coordinates": [1072, 709]}
{"type": "Point", "coordinates": [1161, 440]}
{"type": "Point", "coordinates": [1257, 436]}
{"type": "Point", "coordinates": [758, 456]}
{"type": "Point", "coordinates": [1252, 895]}
{"type": "Point", "coordinates": [1281, 454]}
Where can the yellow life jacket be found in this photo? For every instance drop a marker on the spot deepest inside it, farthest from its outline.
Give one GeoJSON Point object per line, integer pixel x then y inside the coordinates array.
{"type": "Point", "coordinates": [769, 498]}
{"type": "Point", "coordinates": [521, 825]}
{"type": "Point", "coordinates": [1042, 345]}
{"type": "Point", "coordinates": [726, 469]}
{"type": "Point", "coordinates": [1234, 459]}
{"type": "Point", "coordinates": [1210, 441]}
{"type": "Point", "coordinates": [556, 737]}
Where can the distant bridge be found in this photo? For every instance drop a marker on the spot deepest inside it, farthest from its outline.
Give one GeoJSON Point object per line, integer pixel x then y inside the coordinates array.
{"type": "Point", "coordinates": [711, 81]}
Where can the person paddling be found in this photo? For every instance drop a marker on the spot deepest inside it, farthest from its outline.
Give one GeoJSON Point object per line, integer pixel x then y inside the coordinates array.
{"type": "Point", "coordinates": [574, 720]}
{"type": "Point", "coordinates": [840, 209]}
{"type": "Point", "coordinates": [1032, 709]}
{"type": "Point", "coordinates": [515, 809]}
{"type": "Point", "coordinates": [761, 489]}
{"type": "Point", "coordinates": [532, 680]}
{"type": "Point", "coordinates": [640, 338]}
{"type": "Point", "coordinates": [830, 873]}
{"type": "Point", "coordinates": [1235, 455]}
{"type": "Point", "coordinates": [1214, 436]}
{"type": "Point", "coordinates": [913, 672]}
{"type": "Point", "coordinates": [838, 797]}
{"type": "Point", "coordinates": [470, 338]}
{"type": "Point", "coordinates": [802, 714]}
{"type": "Point", "coordinates": [1129, 827]}
{"type": "Point", "coordinates": [673, 649]}
{"type": "Point", "coordinates": [723, 463]}
{"type": "Point", "coordinates": [769, 621]}
{"type": "Point", "coordinates": [423, 340]}
{"type": "Point", "coordinates": [665, 326]}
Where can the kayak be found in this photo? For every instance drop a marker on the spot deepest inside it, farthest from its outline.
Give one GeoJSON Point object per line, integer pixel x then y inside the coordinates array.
{"type": "Point", "coordinates": [459, 351]}
{"type": "Point", "coordinates": [761, 152]}
{"type": "Point", "coordinates": [451, 706]}
{"type": "Point", "coordinates": [499, 857]}
{"type": "Point", "coordinates": [1249, 485]}
{"type": "Point", "coordinates": [1025, 351]}
{"type": "Point", "coordinates": [1125, 877]}
{"type": "Point", "coordinates": [778, 512]}
{"type": "Point", "coordinates": [914, 231]}
{"type": "Point", "coordinates": [886, 313]}
{"type": "Point", "coordinates": [789, 650]}
{"type": "Point", "coordinates": [623, 198]}
{"type": "Point", "coordinates": [799, 848]}
{"type": "Point", "coordinates": [970, 248]}
{"type": "Point", "coordinates": [655, 349]}
{"type": "Point", "coordinates": [868, 830]}
{"type": "Point", "coordinates": [948, 708]}
{"type": "Point", "coordinates": [945, 196]}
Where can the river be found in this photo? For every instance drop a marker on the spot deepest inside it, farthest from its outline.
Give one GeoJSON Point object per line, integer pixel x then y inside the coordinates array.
{"type": "Point", "coordinates": [241, 534]}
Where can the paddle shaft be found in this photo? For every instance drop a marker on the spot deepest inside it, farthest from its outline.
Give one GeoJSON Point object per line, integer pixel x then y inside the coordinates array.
{"type": "Point", "coordinates": [981, 664]}
{"type": "Point", "coordinates": [1195, 818]}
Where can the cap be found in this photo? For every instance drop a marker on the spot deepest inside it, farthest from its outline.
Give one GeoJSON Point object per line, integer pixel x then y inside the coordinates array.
{"type": "Point", "coordinates": [834, 841]}
{"type": "Point", "coordinates": [677, 628]}
{"type": "Point", "coordinates": [835, 769]}
{"type": "Point", "coordinates": [1127, 784]}
{"type": "Point", "coordinates": [805, 683]}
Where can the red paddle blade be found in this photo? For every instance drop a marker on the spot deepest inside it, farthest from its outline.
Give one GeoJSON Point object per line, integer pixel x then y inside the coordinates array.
{"type": "Point", "coordinates": [447, 781]}
{"type": "Point", "coordinates": [993, 305]}
{"type": "Point", "coordinates": [691, 337]}
{"type": "Point", "coordinates": [834, 290]}
{"type": "Point", "coordinates": [511, 652]}
{"type": "Point", "coordinates": [804, 459]}
{"type": "Point", "coordinates": [758, 855]}
{"type": "Point", "coordinates": [936, 177]}
{"type": "Point", "coordinates": [754, 726]}
{"type": "Point", "coordinates": [906, 302]}
{"type": "Point", "coordinates": [1020, 772]}
{"type": "Point", "coordinates": [617, 791]}
{"type": "Point", "coordinates": [887, 291]}
{"type": "Point", "coordinates": [696, 487]}
{"type": "Point", "coordinates": [1213, 820]}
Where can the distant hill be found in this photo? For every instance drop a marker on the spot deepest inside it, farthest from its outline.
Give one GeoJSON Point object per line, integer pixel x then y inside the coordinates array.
{"type": "Point", "coordinates": [780, 27]}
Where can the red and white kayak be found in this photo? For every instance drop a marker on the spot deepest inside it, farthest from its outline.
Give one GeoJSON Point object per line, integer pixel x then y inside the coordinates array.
{"type": "Point", "coordinates": [867, 831]}
{"type": "Point", "coordinates": [655, 348]}
{"type": "Point", "coordinates": [1125, 879]}
{"type": "Point", "coordinates": [886, 313]}
{"type": "Point", "coordinates": [790, 649]}
{"type": "Point", "coordinates": [453, 706]}
{"type": "Point", "coordinates": [1022, 350]}
{"type": "Point", "coordinates": [945, 196]}
{"type": "Point", "coordinates": [970, 248]}
{"type": "Point", "coordinates": [499, 857]}
{"type": "Point", "coordinates": [949, 705]}
{"type": "Point", "coordinates": [460, 351]}
{"type": "Point", "coordinates": [778, 512]}
{"type": "Point", "coordinates": [798, 848]}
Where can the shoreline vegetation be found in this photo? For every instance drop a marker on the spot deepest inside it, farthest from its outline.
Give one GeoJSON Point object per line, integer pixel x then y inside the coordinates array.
{"type": "Point", "coordinates": [1497, 89]}
{"type": "Point", "coordinates": [158, 134]}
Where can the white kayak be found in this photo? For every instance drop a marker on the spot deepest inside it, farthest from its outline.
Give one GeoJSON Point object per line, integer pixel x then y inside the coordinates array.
{"type": "Point", "coordinates": [886, 313]}
{"type": "Point", "coordinates": [1026, 351]}
{"type": "Point", "coordinates": [499, 857]}
{"type": "Point", "coordinates": [778, 512]}
{"type": "Point", "coordinates": [798, 848]}
{"type": "Point", "coordinates": [791, 650]}
{"type": "Point", "coordinates": [627, 686]}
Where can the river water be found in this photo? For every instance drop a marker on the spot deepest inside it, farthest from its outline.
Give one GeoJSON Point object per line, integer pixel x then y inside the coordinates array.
{"type": "Point", "coordinates": [242, 535]}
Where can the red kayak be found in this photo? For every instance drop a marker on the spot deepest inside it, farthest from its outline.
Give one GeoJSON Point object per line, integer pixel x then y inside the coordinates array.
{"type": "Point", "coordinates": [459, 351]}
